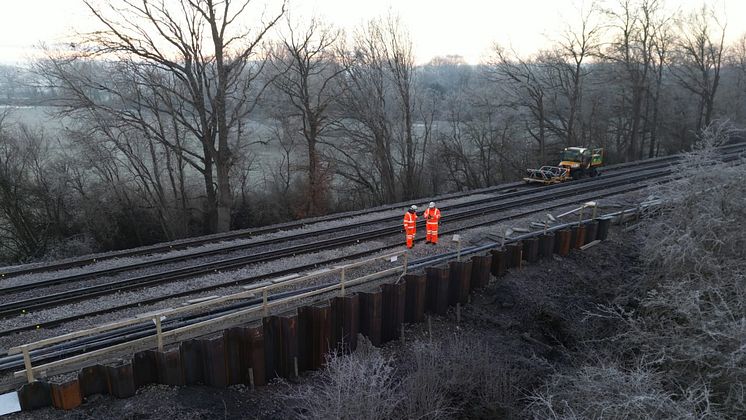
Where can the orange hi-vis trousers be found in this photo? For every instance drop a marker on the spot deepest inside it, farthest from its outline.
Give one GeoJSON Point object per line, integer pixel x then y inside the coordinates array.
{"type": "Point", "coordinates": [410, 228]}
{"type": "Point", "coordinates": [433, 218]}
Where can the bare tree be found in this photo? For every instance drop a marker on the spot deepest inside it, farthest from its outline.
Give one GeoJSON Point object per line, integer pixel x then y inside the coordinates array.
{"type": "Point", "coordinates": [699, 58]}
{"type": "Point", "coordinates": [380, 112]}
{"type": "Point", "coordinates": [33, 209]}
{"type": "Point", "coordinates": [308, 68]}
{"type": "Point", "coordinates": [633, 50]}
{"type": "Point", "coordinates": [662, 40]}
{"type": "Point", "coordinates": [188, 61]}
{"type": "Point", "coordinates": [568, 67]}
{"type": "Point", "coordinates": [524, 84]}
{"type": "Point", "coordinates": [400, 62]}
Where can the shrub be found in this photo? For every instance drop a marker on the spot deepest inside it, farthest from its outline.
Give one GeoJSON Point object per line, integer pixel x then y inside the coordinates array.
{"type": "Point", "coordinates": [360, 385]}
{"type": "Point", "coordinates": [612, 392]}
{"type": "Point", "coordinates": [682, 349]}
{"type": "Point", "coordinates": [458, 375]}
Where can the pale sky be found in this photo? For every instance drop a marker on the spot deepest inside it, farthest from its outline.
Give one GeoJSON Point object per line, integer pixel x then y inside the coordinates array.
{"type": "Point", "coordinates": [437, 27]}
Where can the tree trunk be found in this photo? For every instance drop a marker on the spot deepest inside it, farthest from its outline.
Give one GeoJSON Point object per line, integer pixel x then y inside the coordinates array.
{"type": "Point", "coordinates": [314, 193]}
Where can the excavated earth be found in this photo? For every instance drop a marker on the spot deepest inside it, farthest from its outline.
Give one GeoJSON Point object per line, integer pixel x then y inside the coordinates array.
{"type": "Point", "coordinates": [535, 318]}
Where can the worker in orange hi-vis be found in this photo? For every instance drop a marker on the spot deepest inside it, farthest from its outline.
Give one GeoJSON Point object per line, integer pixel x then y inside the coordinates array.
{"type": "Point", "coordinates": [432, 216]}
{"type": "Point", "coordinates": [410, 225]}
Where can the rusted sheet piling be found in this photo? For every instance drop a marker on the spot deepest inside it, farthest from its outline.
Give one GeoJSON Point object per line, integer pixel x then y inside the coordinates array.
{"type": "Point", "coordinates": [288, 345]}
{"type": "Point", "coordinates": [145, 368]}
{"type": "Point", "coordinates": [314, 329]}
{"type": "Point", "coordinates": [500, 258]}
{"type": "Point", "coordinates": [234, 340]}
{"type": "Point", "coordinates": [66, 394]}
{"type": "Point", "coordinates": [591, 231]}
{"type": "Point", "coordinates": [314, 336]}
{"type": "Point", "coordinates": [416, 285]}
{"type": "Point", "coordinates": [120, 379]}
{"type": "Point", "coordinates": [305, 337]}
{"type": "Point", "coordinates": [437, 290]}
{"type": "Point", "coordinates": [394, 300]}
{"type": "Point", "coordinates": [92, 380]}
{"type": "Point", "coordinates": [603, 228]}
{"type": "Point", "coordinates": [345, 322]}
{"type": "Point", "coordinates": [546, 245]}
{"type": "Point", "coordinates": [460, 278]}
{"type": "Point", "coordinates": [515, 251]}
{"type": "Point", "coordinates": [213, 362]}
{"type": "Point", "coordinates": [371, 315]}
{"type": "Point", "coordinates": [34, 395]}
{"type": "Point", "coordinates": [562, 242]}
{"type": "Point", "coordinates": [169, 367]}
{"type": "Point", "coordinates": [244, 353]}
{"type": "Point", "coordinates": [253, 356]}
{"type": "Point", "coordinates": [191, 362]}
{"type": "Point", "coordinates": [480, 271]}
{"type": "Point", "coordinates": [272, 341]}
{"type": "Point", "coordinates": [531, 250]}
{"type": "Point", "coordinates": [578, 237]}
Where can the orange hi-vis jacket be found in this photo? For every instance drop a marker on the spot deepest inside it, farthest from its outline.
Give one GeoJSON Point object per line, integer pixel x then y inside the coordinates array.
{"type": "Point", "coordinates": [432, 215]}
{"type": "Point", "coordinates": [410, 221]}
{"type": "Point", "coordinates": [410, 227]}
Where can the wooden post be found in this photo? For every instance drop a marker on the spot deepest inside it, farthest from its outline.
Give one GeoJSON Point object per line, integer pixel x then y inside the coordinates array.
{"type": "Point", "coordinates": [27, 364]}
{"type": "Point", "coordinates": [341, 283]}
{"type": "Point", "coordinates": [251, 378]}
{"type": "Point", "coordinates": [264, 301]}
{"type": "Point", "coordinates": [158, 331]}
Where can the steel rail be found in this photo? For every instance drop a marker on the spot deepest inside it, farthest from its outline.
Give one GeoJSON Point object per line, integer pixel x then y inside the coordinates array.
{"type": "Point", "coordinates": [273, 241]}
{"type": "Point", "coordinates": [130, 267]}
{"type": "Point", "coordinates": [134, 332]}
{"type": "Point", "coordinates": [274, 274]}
{"type": "Point", "coordinates": [247, 233]}
{"type": "Point", "coordinates": [252, 279]}
{"type": "Point", "coordinates": [129, 333]}
{"type": "Point", "coordinates": [54, 299]}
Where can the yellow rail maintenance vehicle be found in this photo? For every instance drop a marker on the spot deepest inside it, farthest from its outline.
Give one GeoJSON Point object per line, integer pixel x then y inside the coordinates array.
{"type": "Point", "coordinates": [575, 163]}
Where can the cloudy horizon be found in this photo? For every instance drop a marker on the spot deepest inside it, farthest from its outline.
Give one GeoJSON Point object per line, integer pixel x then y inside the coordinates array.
{"type": "Point", "coordinates": [437, 28]}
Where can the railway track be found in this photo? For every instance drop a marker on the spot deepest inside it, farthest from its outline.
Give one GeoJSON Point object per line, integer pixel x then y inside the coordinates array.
{"type": "Point", "coordinates": [275, 274]}
{"type": "Point", "coordinates": [274, 241]}
{"type": "Point", "coordinates": [243, 234]}
{"type": "Point", "coordinates": [135, 332]}
{"type": "Point", "coordinates": [51, 300]}
{"type": "Point", "coordinates": [485, 207]}
{"type": "Point", "coordinates": [130, 333]}
{"type": "Point", "coordinates": [625, 170]}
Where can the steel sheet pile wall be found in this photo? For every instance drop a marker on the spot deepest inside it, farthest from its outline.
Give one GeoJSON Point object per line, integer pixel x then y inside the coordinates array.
{"type": "Point", "coordinates": [284, 345]}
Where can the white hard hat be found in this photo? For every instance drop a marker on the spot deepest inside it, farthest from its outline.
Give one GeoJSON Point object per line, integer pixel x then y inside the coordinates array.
{"type": "Point", "coordinates": [413, 208]}
{"type": "Point", "coordinates": [432, 204]}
